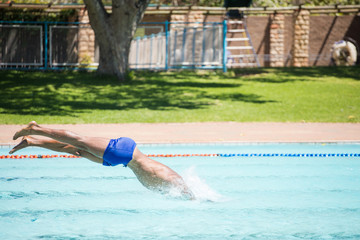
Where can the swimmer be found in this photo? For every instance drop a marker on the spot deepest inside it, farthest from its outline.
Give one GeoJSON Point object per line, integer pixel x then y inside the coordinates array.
{"type": "Point", "coordinates": [108, 152]}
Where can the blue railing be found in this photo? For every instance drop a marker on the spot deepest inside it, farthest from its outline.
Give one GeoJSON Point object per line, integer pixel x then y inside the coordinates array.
{"type": "Point", "coordinates": [14, 53]}
{"type": "Point", "coordinates": [187, 45]}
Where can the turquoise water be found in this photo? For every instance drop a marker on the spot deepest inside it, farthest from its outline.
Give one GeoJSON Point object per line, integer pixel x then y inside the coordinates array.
{"type": "Point", "coordinates": [239, 197]}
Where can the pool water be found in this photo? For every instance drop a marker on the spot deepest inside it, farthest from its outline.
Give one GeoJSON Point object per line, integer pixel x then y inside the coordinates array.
{"type": "Point", "coordinates": [239, 197]}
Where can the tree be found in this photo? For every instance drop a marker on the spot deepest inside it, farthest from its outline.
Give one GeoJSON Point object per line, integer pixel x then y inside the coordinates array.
{"type": "Point", "coordinates": [114, 32]}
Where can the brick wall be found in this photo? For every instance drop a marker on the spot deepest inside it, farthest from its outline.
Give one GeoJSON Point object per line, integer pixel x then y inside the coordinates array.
{"type": "Point", "coordinates": [300, 46]}
{"type": "Point", "coordinates": [86, 40]}
{"type": "Point", "coordinates": [259, 29]}
{"type": "Point", "coordinates": [277, 37]}
{"type": "Point", "coordinates": [325, 30]}
{"type": "Point", "coordinates": [297, 39]}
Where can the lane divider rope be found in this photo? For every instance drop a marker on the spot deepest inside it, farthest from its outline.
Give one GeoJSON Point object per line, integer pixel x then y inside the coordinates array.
{"type": "Point", "coordinates": [291, 155]}
{"type": "Point", "coordinates": [203, 155]}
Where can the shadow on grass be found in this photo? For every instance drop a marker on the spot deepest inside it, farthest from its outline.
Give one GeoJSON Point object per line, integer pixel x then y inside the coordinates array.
{"type": "Point", "coordinates": [316, 72]}
{"type": "Point", "coordinates": [249, 98]}
{"type": "Point", "coordinates": [283, 75]}
{"type": "Point", "coordinates": [71, 93]}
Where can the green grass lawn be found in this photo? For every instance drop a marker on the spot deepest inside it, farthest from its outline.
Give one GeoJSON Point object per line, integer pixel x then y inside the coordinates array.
{"type": "Point", "coordinates": [261, 95]}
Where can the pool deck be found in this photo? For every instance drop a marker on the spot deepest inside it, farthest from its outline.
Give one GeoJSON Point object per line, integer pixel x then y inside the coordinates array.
{"type": "Point", "coordinates": [210, 132]}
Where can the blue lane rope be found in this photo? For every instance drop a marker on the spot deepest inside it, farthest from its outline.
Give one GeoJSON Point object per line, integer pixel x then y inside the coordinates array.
{"type": "Point", "coordinates": [244, 155]}
{"type": "Point", "coordinates": [291, 155]}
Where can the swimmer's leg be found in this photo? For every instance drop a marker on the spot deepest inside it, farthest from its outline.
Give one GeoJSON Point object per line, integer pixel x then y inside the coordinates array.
{"type": "Point", "coordinates": [94, 145]}
{"type": "Point", "coordinates": [54, 145]}
{"type": "Point", "coordinates": [23, 144]}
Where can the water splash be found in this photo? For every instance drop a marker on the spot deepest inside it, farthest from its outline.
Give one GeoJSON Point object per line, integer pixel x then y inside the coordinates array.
{"type": "Point", "coordinates": [200, 189]}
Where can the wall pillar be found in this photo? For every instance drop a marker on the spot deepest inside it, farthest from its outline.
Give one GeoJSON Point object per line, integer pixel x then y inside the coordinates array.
{"type": "Point", "coordinates": [191, 16]}
{"type": "Point", "coordinates": [177, 18]}
{"type": "Point", "coordinates": [195, 16]}
{"type": "Point", "coordinates": [86, 39]}
{"type": "Point", "coordinates": [300, 48]}
{"type": "Point", "coordinates": [277, 40]}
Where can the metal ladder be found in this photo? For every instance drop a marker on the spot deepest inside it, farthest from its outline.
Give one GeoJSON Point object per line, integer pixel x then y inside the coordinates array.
{"type": "Point", "coordinates": [240, 51]}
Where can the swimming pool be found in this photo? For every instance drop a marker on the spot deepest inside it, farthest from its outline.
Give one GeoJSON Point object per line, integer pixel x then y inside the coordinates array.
{"type": "Point", "coordinates": [278, 195]}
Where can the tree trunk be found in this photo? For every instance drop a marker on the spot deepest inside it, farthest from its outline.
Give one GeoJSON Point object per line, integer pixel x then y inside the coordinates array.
{"type": "Point", "coordinates": [114, 32]}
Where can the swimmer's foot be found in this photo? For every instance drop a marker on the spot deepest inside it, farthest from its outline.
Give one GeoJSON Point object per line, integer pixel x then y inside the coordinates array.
{"type": "Point", "coordinates": [26, 130]}
{"type": "Point", "coordinates": [25, 142]}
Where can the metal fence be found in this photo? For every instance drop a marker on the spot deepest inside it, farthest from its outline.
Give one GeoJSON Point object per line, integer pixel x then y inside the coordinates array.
{"type": "Point", "coordinates": [198, 46]}
{"type": "Point", "coordinates": [185, 45]}
{"type": "Point", "coordinates": [162, 45]}
{"type": "Point", "coordinates": [21, 45]}
{"type": "Point", "coordinates": [40, 45]}
{"type": "Point", "coordinates": [64, 45]}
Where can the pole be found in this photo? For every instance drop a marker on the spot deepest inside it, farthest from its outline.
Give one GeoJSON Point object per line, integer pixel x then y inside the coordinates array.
{"type": "Point", "coordinates": [46, 46]}
{"type": "Point", "coordinates": [224, 45]}
{"type": "Point", "coordinates": [167, 45]}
